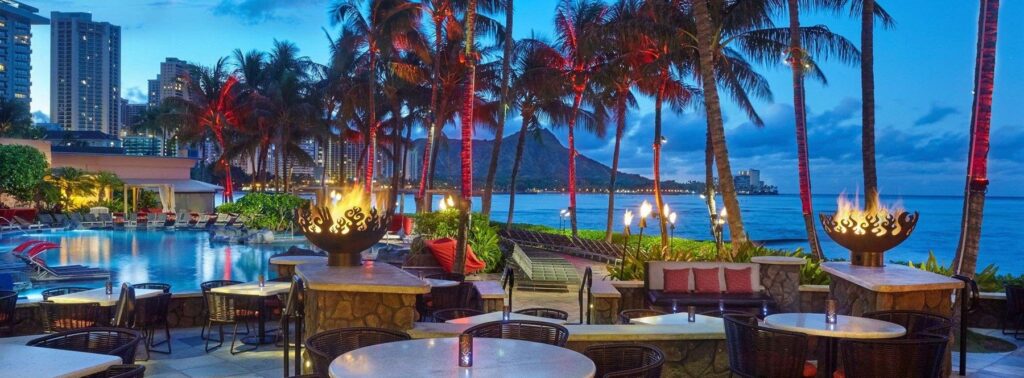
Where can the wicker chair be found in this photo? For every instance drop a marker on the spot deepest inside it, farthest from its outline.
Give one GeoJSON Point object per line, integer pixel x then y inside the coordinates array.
{"type": "Point", "coordinates": [226, 309]}
{"type": "Point", "coordinates": [61, 291]}
{"type": "Point", "coordinates": [151, 315]}
{"type": "Point", "coordinates": [541, 332]}
{"type": "Point", "coordinates": [1014, 316]}
{"type": "Point", "coordinates": [122, 371]}
{"type": "Point", "coordinates": [917, 323]}
{"type": "Point", "coordinates": [911, 358]}
{"type": "Point", "coordinates": [166, 288]}
{"type": "Point", "coordinates": [325, 346]}
{"type": "Point", "coordinates": [8, 305]}
{"type": "Point", "coordinates": [101, 340]}
{"type": "Point", "coordinates": [60, 317]}
{"type": "Point", "coordinates": [545, 313]}
{"type": "Point", "coordinates": [447, 277]}
{"type": "Point", "coordinates": [206, 287]}
{"type": "Point", "coordinates": [441, 316]}
{"type": "Point", "coordinates": [626, 360]}
{"type": "Point", "coordinates": [756, 351]}
{"type": "Point", "coordinates": [627, 315]}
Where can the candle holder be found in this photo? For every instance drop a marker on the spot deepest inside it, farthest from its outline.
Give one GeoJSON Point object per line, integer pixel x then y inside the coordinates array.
{"type": "Point", "coordinates": [764, 309]}
{"type": "Point", "coordinates": [691, 314]}
{"type": "Point", "coordinates": [465, 350]}
{"type": "Point", "coordinates": [109, 287]}
{"type": "Point", "coordinates": [675, 307]}
{"type": "Point", "coordinates": [506, 313]}
{"type": "Point", "coordinates": [262, 280]}
{"type": "Point", "coordinates": [831, 311]}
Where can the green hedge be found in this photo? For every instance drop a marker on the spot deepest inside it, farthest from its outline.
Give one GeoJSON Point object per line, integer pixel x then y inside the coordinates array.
{"type": "Point", "coordinates": [23, 169]}
{"type": "Point", "coordinates": [265, 211]}
{"type": "Point", "coordinates": [483, 236]}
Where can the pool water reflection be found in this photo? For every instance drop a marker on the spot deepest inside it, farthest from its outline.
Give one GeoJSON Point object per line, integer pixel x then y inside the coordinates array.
{"type": "Point", "coordinates": [183, 259]}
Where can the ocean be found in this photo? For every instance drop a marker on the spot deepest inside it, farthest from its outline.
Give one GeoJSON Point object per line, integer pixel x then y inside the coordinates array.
{"type": "Point", "coordinates": [778, 221]}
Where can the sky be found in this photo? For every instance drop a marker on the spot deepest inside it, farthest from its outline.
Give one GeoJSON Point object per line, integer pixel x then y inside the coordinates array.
{"type": "Point", "coordinates": [924, 68]}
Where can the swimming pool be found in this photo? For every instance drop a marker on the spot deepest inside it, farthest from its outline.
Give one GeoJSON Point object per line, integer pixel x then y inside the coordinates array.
{"type": "Point", "coordinates": [183, 259]}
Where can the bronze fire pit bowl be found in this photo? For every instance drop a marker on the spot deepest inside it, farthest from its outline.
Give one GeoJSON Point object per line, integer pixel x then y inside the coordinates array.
{"type": "Point", "coordinates": [344, 238]}
{"type": "Point", "coordinates": [868, 238]}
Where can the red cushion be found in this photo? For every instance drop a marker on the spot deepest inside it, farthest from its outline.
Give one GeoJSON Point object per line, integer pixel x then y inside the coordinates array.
{"type": "Point", "coordinates": [677, 280]}
{"type": "Point", "coordinates": [444, 251]}
{"type": "Point", "coordinates": [839, 374]}
{"type": "Point", "coordinates": [738, 281]}
{"type": "Point", "coordinates": [810, 370]}
{"type": "Point", "coordinates": [706, 280]}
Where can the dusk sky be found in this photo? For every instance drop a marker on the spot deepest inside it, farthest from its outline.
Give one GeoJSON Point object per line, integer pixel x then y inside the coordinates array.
{"type": "Point", "coordinates": [923, 69]}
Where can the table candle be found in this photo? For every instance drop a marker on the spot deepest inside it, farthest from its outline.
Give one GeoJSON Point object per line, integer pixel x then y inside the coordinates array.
{"type": "Point", "coordinates": [465, 350]}
{"type": "Point", "coordinates": [691, 313]}
{"type": "Point", "coordinates": [262, 280]}
{"type": "Point", "coordinates": [831, 311]}
{"type": "Point", "coordinates": [506, 313]}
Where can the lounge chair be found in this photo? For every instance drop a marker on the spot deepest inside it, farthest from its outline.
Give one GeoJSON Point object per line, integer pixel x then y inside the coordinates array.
{"type": "Point", "coordinates": [106, 220]}
{"type": "Point", "coordinates": [156, 220]}
{"type": "Point", "coordinates": [211, 220]}
{"type": "Point", "coordinates": [26, 224]}
{"type": "Point", "coordinates": [194, 219]}
{"type": "Point", "coordinates": [181, 219]}
{"type": "Point", "coordinates": [91, 221]}
{"type": "Point", "coordinates": [62, 220]}
{"type": "Point", "coordinates": [8, 225]}
{"type": "Point", "coordinates": [222, 221]}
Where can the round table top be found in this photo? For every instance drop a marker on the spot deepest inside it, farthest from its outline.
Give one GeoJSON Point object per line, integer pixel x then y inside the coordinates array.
{"type": "Point", "coordinates": [851, 327]}
{"type": "Point", "coordinates": [296, 260]}
{"type": "Point", "coordinates": [439, 358]}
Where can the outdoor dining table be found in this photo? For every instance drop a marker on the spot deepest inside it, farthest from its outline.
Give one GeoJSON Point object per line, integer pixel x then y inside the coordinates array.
{"type": "Point", "coordinates": [253, 289]}
{"type": "Point", "coordinates": [679, 318]}
{"type": "Point", "coordinates": [30, 361]}
{"type": "Point", "coordinates": [846, 327]}
{"type": "Point", "coordinates": [439, 358]}
{"type": "Point", "coordinates": [496, 316]}
{"type": "Point", "coordinates": [285, 265]}
{"type": "Point", "coordinates": [100, 296]}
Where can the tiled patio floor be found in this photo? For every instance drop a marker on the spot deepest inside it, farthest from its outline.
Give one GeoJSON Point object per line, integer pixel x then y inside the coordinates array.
{"type": "Point", "coordinates": [994, 365]}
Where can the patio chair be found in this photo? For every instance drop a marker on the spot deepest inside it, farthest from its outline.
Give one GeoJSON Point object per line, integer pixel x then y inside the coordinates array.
{"type": "Point", "coordinates": [917, 323]}
{"type": "Point", "coordinates": [325, 346]}
{"type": "Point", "coordinates": [226, 309]}
{"type": "Point", "coordinates": [1014, 315]}
{"type": "Point", "coordinates": [75, 219]}
{"type": "Point", "coordinates": [8, 306]}
{"type": "Point", "coordinates": [91, 221]}
{"type": "Point", "coordinates": [61, 317]}
{"type": "Point", "coordinates": [910, 358]}
{"type": "Point", "coordinates": [441, 316]}
{"type": "Point", "coordinates": [156, 220]}
{"type": "Point", "coordinates": [756, 351]}
{"type": "Point", "coordinates": [294, 311]}
{"type": "Point", "coordinates": [8, 225]}
{"type": "Point", "coordinates": [62, 220]}
{"type": "Point", "coordinates": [528, 330]}
{"type": "Point", "coordinates": [122, 371]}
{"type": "Point", "coordinates": [61, 291]}
{"type": "Point", "coordinates": [626, 360]}
{"type": "Point", "coordinates": [457, 296]}
{"type": "Point", "coordinates": [124, 310]}
{"type": "Point", "coordinates": [625, 316]}
{"type": "Point", "coordinates": [100, 340]}
{"type": "Point", "coordinates": [206, 287]}
{"type": "Point", "coordinates": [47, 220]}
{"type": "Point", "coordinates": [545, 313]}
{"type": "Point", "coordinates": [181, 219]}
{"type": "Point", "coordinates": [151, 315]}
{"type": "Point", "coordinates": [26, 224]}
{"type": "Point", "coordinates": [106, 220]}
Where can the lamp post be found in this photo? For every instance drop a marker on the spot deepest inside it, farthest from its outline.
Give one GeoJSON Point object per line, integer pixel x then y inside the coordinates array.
{"type": "Point", "coordinates": [561, 219]}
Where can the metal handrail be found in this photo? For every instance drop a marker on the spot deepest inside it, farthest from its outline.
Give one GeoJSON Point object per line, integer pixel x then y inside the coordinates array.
{"type": "Point", "coordinates": [968, 299]}
{"type": "Point", "coordinates": [585, 285]}
{"type": "Point", "coordinates": [508, 283]}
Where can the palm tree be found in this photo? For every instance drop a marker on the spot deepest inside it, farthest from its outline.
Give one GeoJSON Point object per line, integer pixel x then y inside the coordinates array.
{"type": "Point", "coordinates": [538, 92]}
{"type": "Point", "coordinates": [506, 79]}
{"type": "Point", "coordinates": [579, 26]}
{"type": "Point", "coordinates": [977, 164]}
{"type": "Point", "coordinates": [72, 182]}
{"type": "Point", "coordinates": [385, 28]}
{"type": "Point", "coordinates": [16, 120]}
{"type": "Point", "coordinates": [465, 203]}
{"type": "Point", "coordinates": [106, 182]}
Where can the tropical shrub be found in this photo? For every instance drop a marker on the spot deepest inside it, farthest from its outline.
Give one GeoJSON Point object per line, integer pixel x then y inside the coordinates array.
{"type": "Point", "coordinates": [24, 168]}
{"type": "Point", "coordinates": [483, 235]}
{"type": "Point", "coordinates": [988, 278]}
{"type": "Point", "coordinates": [265, 211]}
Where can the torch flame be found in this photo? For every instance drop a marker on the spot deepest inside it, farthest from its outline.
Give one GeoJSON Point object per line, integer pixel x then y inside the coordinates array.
{"type": "Point", "coordinates": [628, 218]}
{"type": "Point", "coordinates": [847, 209]}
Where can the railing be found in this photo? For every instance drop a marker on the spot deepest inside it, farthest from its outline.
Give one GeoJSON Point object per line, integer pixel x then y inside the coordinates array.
{"type": "Point", "coordinates": [508, 283]}
{"type": "Point", "coordinates": [585, 286]}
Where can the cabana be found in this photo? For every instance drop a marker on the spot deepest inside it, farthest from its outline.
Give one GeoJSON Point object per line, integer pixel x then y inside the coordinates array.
{"type": "Point", "coordinates": [186, 194]}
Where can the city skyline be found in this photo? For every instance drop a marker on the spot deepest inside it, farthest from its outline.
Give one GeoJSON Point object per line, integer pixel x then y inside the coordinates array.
{"type": "Point", "coordinates": [923, 121]}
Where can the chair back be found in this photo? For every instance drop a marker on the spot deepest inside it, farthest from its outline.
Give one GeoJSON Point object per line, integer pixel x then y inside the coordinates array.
{"type": "Point", "coordinates": [101, 340]}
{"type": "Point", "coordinates": [152, 311]}
{"type": "Point", "coordinates": [8, 305]}
{"type": "Point", "coordinates": [441, 316]}
{"type": "Point", "coordinates": [225, 307]}
{"type": "Point", "coordinates": [58, 317]}
{"type": "Point", "coordinates": [124, 311]}
{"type": "Point", "coordinates": [545, 313]}
{"type": "Point", "coordinates": [61, 291]}
{"type": "Point", "coordinates": [1014, 299]}
{"type": "Point", "coordinates": [166, 288]}
{"type": "Point", "coordinates": [457, 296]}
{"type": "Point", "coordinates": [917, 323]}
{"type": "Point", "coordinates": [756, 351]}
{"type": "Point", "coordinates": [541, 332]}
{"type": "Point", "coordinates": [626, 316]}
{"type": "Point", "coordinates": [626, 360]}
{"type": "Point", "coordinates": [911, 358]}
{"type": "Point", "coordinates": [325, 346]}
{"type": "Point", "coordinates": [124, 371]}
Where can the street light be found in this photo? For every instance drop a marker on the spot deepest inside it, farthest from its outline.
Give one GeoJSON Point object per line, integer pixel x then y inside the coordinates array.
{"type": "Point", "coordinates": [561, 219]}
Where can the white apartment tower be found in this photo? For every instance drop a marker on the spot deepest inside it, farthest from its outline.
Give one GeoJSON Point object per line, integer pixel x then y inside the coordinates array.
{"type": "Point", "coordinates": [85, 73]}
{"type": "Point", "coordinates": [16, 20]}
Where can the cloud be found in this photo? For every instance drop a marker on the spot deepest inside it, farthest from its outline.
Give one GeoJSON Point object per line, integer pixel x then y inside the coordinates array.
{"type": "Point", "coordinates": [136, 95]}
{"type": "Point", "coordinates": [40, 117]}
{"type": "Point", "coordinates": [935, 114]}
{"type": "Point", "coordinates": [258, 11]}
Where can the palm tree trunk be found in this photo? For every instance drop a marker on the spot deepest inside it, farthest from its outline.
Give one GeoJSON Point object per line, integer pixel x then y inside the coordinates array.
{"type": "Point", "coordinates": [368, 184]}
{"type": "Point", "coordinates": [714, 113]}
{"type": "Point", "coordinates": [867, 83]}
{"type": "Point", "coordinates": [527, 114]}
{"type": "Point", "coordinates": [803, 162]}
{"type": "Point", "coordinates": [506, 74]}
{"type": "Point", "coordinates": [422, 200]}
{"type": "Point", "coordinates": [371, 159]}
{"type": "Point", "coordinates": [659, 201]}
{"type": "Point", "coordinates": [620, 128]}
{"type": "Point", "coordinates": [405, 163]}
{"type": "Point", "coordinates": [966, 259]}
{"type": "Point", "coordinates": [396, 153]}
{"type": "Point", "coordinates": [465, 204]}
{"type": "Point", "coordinates": [576, 103]}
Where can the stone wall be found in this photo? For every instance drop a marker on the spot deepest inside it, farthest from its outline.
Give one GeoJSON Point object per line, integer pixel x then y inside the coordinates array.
{"type": "Point", "coordinates": [813, 297]}
{"type": "Point", "coordinates": [605, 310]}
{"type": "Point", "coordinates": [326, 310]}
{"type": "Point", "coordinates": [989, 313]}
{"type": "Point", "coordinates": [856, 300]}
{"type": "Point", "coordinates": [783, 283]}
{"type": "Point", "coordinates": [683, 358]}
{"type": "Point", "coordinates": [632, 294]}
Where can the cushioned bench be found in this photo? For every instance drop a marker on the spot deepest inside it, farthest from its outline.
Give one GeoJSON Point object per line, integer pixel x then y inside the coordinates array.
{"type": "Point", "coordinates": [654, 284]}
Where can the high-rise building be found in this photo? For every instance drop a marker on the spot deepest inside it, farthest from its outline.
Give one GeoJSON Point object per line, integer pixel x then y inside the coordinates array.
{"type": "Point", "coordinates": [16, 20]}
{"type": "Point", "coordinates": [85, 73]}
{"type": "Point", "coordinates": [133, 114]}
{"type": "Point", "coordinates": [153, 92]}
{"type": "Point", "coordinates": [173, 73]}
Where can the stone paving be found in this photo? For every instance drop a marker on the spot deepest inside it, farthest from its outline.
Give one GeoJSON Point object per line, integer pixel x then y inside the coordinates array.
{"type": "Point", "coordinates": [994, 365]}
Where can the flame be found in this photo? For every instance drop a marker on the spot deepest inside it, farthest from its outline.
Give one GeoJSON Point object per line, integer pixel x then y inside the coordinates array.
{"type": "Point", "coordinates": [349, 198]}
{"type": "Point", "coordinates": [847, 209]}
{"type": "Point", "coordinates": [628, 218]}
{"type": "Point", "coordinates": [645, 209]}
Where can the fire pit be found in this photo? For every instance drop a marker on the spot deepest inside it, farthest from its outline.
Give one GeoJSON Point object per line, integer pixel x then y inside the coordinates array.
{"type": "Point", "coordinates": [868, 233]}
{"type": "Point", "coordinates": [345, 227]}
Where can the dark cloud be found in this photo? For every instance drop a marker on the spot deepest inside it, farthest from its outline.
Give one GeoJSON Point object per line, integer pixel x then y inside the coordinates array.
{"type": "Point", "coordinates": [935, 114]}
{"type": "Point", "coordinates": [259, 11]}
